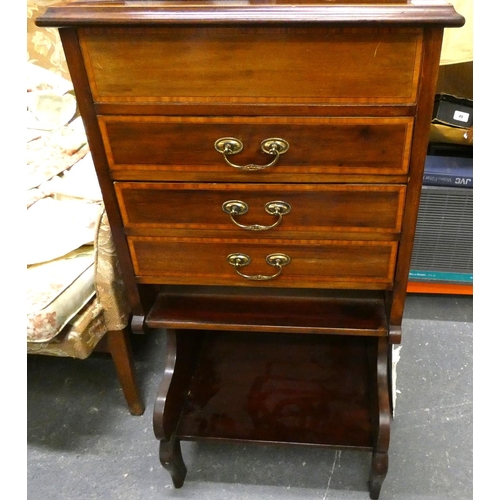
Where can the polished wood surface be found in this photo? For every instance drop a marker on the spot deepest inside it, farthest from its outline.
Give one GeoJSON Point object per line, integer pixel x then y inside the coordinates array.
{"type": "Point", "coordinates": [146, 13]}
{"type": "Point", "coordinates": [227, 65]}
{"type": "Point", "coordinates": [350, 86]}
{"type": "Point", "coordinates": [315, 263]}
{"type": "Point", "coordinates": [140, 302]}
{"type": "Point", "coordinates": [145, 147]}
{"type": "Point", "coordinates": [279, 388]}
{"type": "Point", "coordinates": [432, 50]}
{"type": "Point", "coordinates": [381, 363]}
{"type": "Point", "coordinates": [330, 312]}
{"type": "Point", "coordinates": [117, 343]}
{"type": "Point", "coordinates": [366, 211]}
{"type": "Point", "coordinates": [274, 388]}
{"type": "Point", "coordinates": [261, 109]}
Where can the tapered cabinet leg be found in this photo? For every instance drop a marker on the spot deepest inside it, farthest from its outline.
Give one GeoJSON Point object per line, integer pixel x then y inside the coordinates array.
{"type": "Point", "coordinates": [119, 346]}
{"type": "Point", "coordinates": [171, 459]}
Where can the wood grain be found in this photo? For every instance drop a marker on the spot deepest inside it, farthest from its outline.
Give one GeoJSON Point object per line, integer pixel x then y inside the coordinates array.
{"type": "Point", "coordinates": [325, 312]}
{"type": "Point", "coordinates": [253, 64]}
{"type": "Point", "coordinates": [317, 210]}
{"type": "Point", "coordinates": [281, 388]}
{"type": "Point", "coordinates": [178, 147]}
{"type": "Point", "coordinates": [305, 356]}
{"type": "Point", "coordinates": [315, 263]}
{"type": "Point", "coordinates": [148, 13]}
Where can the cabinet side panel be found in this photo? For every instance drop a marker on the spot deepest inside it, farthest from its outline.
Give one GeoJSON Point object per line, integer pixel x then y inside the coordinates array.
{"type": "Point", "coordinates": [430, 68]}
{"type": "Point", "coordinates": [69, 38]}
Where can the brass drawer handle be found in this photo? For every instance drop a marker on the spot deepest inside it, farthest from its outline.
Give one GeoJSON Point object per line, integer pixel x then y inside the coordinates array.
{"type": "Point", "coordinates": [228, 146]}
{"type": "Point", "coordinates": [274, 259]}
{"type": "Point", "coordinates": [237, 207]}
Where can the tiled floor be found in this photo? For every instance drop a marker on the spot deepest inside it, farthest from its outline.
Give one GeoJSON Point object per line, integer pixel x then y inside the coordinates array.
{"type": "Point", "coordinates": [83, 444]}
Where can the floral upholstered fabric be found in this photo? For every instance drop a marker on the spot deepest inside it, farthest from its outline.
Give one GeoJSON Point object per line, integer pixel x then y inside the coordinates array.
{"type": "Point", "coordinates": [44, 46]}
{"type": "Point", "coordinates": [75, 291]}
{"type": "Point", "coordinates": [50, 153]}
{"type": "Point", "coordinates": [57, 291]}
{"type": "Point", "coordinates": [108, 310]}
{"type": "Point", "coordinates": [79, 337]}
{"type": "Point", "coordinates": [61, 217]}
{"type": "Point", "coordinates": [109, 284]}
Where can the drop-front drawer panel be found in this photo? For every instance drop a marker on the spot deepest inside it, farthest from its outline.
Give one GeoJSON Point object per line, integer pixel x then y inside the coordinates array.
{"type": "Point", "coordinates": [290, 211]}
{"type": "Point", "coordinates": [314, 263]}
{"type": "Point", "coordinates": [251, 64]}
{"type": "Point", "coordinates": [183, 148]}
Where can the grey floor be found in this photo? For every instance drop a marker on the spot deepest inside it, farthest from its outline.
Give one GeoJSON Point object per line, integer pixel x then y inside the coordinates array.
{"type": "Point", "coordinates": [83, 444]}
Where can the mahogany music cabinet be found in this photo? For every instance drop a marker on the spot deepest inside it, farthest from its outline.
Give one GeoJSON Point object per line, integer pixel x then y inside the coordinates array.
{"type": "Point", "coordinates": [261, 166]}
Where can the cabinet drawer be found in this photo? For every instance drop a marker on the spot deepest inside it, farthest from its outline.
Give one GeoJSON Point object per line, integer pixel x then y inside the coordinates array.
{"type": "Point", "coordinates": [314, 263]}
{"type": "Point", "coordinates": [299, 211]}
{"type": "Point", "coordinates": [252, 64]}
{"type": "Point", "coordinates": [183, 148]}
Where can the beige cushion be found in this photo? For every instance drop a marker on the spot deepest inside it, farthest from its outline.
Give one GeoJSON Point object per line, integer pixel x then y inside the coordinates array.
{"type": "Point", "coordinates": [51, 153]}
{"type": "Point", "coordinates": [57, 291]}
{"type": "Point", "coordinates": [79, 337]}
{"type": "Point", "coordinates": [57, 227]}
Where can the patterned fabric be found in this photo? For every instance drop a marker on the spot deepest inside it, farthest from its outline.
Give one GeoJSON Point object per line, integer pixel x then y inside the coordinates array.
{"type": "Point", "coordinates": [52, 153]}
{"type": "Point", "coordinates": [78, 182]}
{"type": "Point", "coordinates": [110, 288]}
{"type": "Point", "coordinates": [78, 338]}
{"type": "Point", "coordinates": [60, 169]}
{"type": "Point", "coordinates": [458, 42]}
{"type": "Point", "coordinates": [108, 310]}
{"type": "Point", "coordinates": [51, 100]}
{"type": "Point", "coordinates": [44, 46]}
{"type": "Point", "coordinates": [57, 291]}
{"type": "Point", "coordinates": [33, 195]}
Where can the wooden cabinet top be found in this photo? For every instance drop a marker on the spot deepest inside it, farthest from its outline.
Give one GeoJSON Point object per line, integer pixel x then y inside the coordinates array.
{"type": "Point", "coordinates": [159, 12]}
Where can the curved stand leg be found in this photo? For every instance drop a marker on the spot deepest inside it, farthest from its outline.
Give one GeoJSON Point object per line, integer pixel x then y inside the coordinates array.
{"type": "Point", "coordinates": [380, 465]}
{"type": "Point", "coordinates": [170, 399]}
{"type": "Point", "coordinates": [171, 459]}
{"type": "Point", "coordinates": [382, 416]}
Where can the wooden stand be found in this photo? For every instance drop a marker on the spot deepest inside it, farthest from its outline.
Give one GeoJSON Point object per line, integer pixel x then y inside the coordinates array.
{"type": "Point", "coordinates": [236, 371]}
{"type": "Point", "coordinates": [314, 118]}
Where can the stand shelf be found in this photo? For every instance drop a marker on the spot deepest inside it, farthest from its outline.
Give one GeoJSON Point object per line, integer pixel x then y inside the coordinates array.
{"type": "Point", "coordinates": [346, 312]}
{"type": "Point", "coordinates": [251, 385]}
{"type": "Point", "coordinates": [280, 388]}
